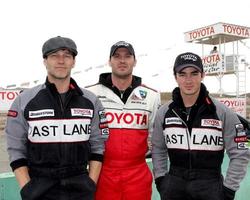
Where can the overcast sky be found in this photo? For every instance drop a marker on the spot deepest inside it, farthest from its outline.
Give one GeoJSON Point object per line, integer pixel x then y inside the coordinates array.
{"type": "Point", "coordinates": [154, 27]}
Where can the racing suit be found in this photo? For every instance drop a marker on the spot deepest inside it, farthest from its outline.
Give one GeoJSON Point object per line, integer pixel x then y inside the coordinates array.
{"type": "Point", "coordinates": [125, 174]}
{"type": "Point", "coordinates": [195, 144]}
{"type": "Point", "coordinates": [56, 139]}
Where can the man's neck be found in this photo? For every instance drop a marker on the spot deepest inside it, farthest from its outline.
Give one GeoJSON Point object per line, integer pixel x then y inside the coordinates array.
{"type": "Point", "coordinates": [62, 85]}
{"type": "Point", "coordinates": [121, 84]}
{"type": "Point", "coordinates": [189, 100]}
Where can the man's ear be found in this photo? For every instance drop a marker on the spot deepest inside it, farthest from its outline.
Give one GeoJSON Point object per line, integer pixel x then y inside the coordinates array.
{"type": "Point", "coordinates": [203, 75]}
{"type": "Point", "coordinates": [45, 62]}
{"type": "Point", "coordinates": [135, 62]}
{"type": "Point", "coordinates": [74, 63]}
{"type": "Point", "coordinates": [175, 76]}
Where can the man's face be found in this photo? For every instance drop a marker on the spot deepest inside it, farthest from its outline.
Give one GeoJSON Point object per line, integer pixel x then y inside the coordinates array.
{"type": "Point", "coordinates": [59, 65]}
{"type": "Point", "coordinates": [122, 63]}
{"type": "Point", "coordinates": [189, 81]}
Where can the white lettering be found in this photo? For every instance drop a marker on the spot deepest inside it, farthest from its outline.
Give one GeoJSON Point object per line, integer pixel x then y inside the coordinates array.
{"type": "Point", "coordinates": [124, 119]}
{"type": "Point", "coordinates": [74, 130]}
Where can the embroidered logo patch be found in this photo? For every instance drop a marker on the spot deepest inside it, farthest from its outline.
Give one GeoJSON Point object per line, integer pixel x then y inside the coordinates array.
{"type": "Point", "coordinates": [211, 123]}
{"type": "Point", "coordinates": [173, 120]}
{"type": "Point", "coordinates": [41, 113]}
{"type": "Point", "coordinates": [81, 112]}
{"type": "Point", "coordinates": [139, 95]}
{"type": "Point", "coordinates": [12, 113]}
{"type": "Point", "coordinates": [240, 138]}
{"type": "Point", "coordinates": [103, 123]}
{"type": "Point", "coordinates": [143, 94]}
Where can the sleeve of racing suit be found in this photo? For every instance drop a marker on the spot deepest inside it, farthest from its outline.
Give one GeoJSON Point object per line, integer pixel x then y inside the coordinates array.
{"type": "Point", "coordinates": [99, 132]}
{"type": "Point", "coordinates": [238, 155]}
{"type": "Point", "coordinates": [158, 183]}
{"type": "Point", "coordinates": [159, 148]}
{"type": "Point", "coordinates": [228, 193]}
{"type": "Point", "coordinates": [156, 105]}
{"type": "Point", "coordinates": [16, 131]}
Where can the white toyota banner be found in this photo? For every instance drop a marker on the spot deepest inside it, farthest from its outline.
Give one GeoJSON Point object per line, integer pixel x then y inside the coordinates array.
{"type": "Point", "coordinates": [238, 105]}
{"type": "Point", "coordinates": [6, 98]}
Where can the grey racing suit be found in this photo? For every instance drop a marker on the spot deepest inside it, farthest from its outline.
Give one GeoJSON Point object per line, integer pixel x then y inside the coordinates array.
{"type": "Point", "coordinates": [195, 143]}
{"type": "Point", "coordinates": [56, 138]}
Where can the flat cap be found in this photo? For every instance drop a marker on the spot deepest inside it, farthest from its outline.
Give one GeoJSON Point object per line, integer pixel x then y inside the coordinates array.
{"type": "Point", "coordinates": [56, 43]}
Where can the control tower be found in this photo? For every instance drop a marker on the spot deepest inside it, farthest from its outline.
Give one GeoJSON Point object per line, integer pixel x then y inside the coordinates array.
{"type": "Point", "coordinates": [225, 59]}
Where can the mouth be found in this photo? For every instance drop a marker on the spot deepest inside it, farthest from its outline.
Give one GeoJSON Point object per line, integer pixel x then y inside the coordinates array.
{"type": "Point", "coordinates": [189, 87]}
{"type": "Point", "coordinates": [60, 68]}
{"type": "Point", "coordinates": [122, 67]}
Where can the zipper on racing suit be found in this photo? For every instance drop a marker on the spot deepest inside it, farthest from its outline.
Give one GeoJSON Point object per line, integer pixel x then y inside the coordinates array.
{"type": "Point", "coordinates": [63, 106]}
{"type": "Point", "coordinates": [188, 137]}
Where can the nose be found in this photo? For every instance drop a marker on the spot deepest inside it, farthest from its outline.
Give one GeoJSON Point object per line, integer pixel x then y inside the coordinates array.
{"type": "Point", "coordinates": [188, 79]}
{"type": "Point", "coordinates": [60, 58]}
{"type": "Point", "coordinates": [122, 59]}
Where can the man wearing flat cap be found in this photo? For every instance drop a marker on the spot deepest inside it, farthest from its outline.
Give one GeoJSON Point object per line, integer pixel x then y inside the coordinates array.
{"type": "Point", "coordinates": [55, 130]}
{"type": "Point", "coordinates": [130, 109]}
{"type": "Point", "coordinates": [192, 131]}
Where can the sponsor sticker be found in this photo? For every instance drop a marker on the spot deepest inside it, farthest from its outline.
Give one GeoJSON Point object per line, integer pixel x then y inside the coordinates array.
{"type": "Point", "coordinates": [81, 112]}
{"type": "Point", "coordinates": [173, 120]}
{"type": "Point", "coordinates": [211, 123]}
{"type": "Point", "coordinates": [41, 113]}
{"type": "Point", "coordinates": [143, 94]}
{"type": "Point", "coordinates": [139, 95]}
{"type": "Point", "coordinates": [12, 113]}
{"type": "Point", "coordinates": [103, 123]}
{"type": "Point", "coordinates": [105, 131]}
{"type": "Point", "coordinates": [102, 116]}
{"type": "Point", "coordinates": [241, 138]}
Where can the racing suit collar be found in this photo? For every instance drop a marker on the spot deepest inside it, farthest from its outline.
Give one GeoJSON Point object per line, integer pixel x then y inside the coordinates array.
{"type": "Point", "coordinates": [72, 87]}
{"type": "Point", "coordinates": [203, 98]}
{"type": "Point", "coordinates": [203, 104]}
{"type": "Point", "coordinates": [105, 79]}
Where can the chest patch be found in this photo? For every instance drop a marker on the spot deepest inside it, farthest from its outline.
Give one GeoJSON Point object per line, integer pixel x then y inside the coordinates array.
{"type": "Point", "coordinates": [211, 123]}
{"type": "Point", "coordinates": [81, 112]}
{"type": "Point", "coordinates": [41, 113]}
{"type": "Point", "coordinates": [173, 120]}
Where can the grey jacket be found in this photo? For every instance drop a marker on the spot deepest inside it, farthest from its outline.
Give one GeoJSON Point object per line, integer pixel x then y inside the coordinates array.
{"type": "Point", "coordinates": [211, 129]}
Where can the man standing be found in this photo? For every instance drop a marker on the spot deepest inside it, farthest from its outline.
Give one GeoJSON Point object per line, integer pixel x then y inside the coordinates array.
{"type": "Point", "coordinates": [193, 130]}
{"type": "Point", "coordinates": [130, 110]}
{"type": "Point", "coordinates": [55, 130]}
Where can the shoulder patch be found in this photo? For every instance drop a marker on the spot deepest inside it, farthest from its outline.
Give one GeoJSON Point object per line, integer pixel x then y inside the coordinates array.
{"type": "Point", "coordinates": [12, 113]}
{"type": "Point", "coordinates": [241, 137]}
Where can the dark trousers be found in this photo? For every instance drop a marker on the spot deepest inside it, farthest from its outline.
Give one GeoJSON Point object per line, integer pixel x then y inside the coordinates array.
{"type": "Point", "coordinates": [182, 184]}
{"type": "Point", "coordinates": [70, 188]}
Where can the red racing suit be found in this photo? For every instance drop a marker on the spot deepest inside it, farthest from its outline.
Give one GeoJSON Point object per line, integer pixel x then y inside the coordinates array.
{"type": "Point", "coordinates": [125, 174]}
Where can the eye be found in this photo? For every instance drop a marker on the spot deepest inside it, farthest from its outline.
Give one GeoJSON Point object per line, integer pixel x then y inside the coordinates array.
{"type": "Point", "coordinates": [195, 73]}
{"type": "Point", "coordinates": [68, 55]}
{"type": "Point", "coordinates": [128, 56]}
{"type": "Point", "coordinates": [181, 74]}
{"type": "Point", "coordinates": [53, 55]}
